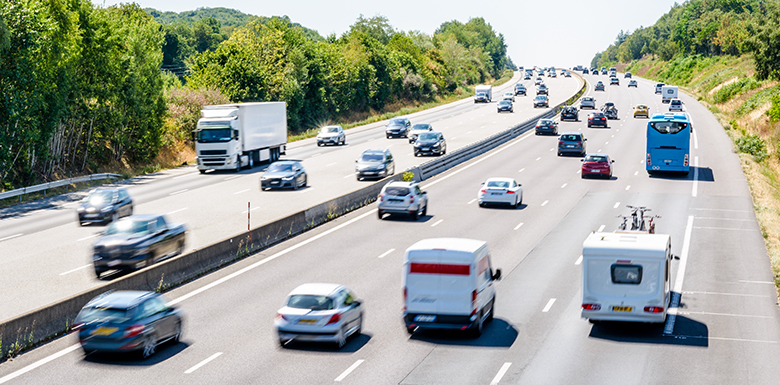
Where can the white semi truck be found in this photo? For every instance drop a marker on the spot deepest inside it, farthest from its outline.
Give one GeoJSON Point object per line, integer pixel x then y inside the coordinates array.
{"type": "Point", "coordinates": [485, 89]}
{"type": "Point", "coordinates": [233, 136]}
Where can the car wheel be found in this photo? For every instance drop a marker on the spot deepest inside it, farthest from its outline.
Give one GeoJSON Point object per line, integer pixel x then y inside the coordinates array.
{"type": "Point", "coordinates": [388, 136]}
{"type": "Point", "coordinates": [180, 250]}
{"type": "Point", "coordinates": [517, 204]}
{"type": "Point", "coordinates": [305, 180]}
{"type": "Point", "coordinates": [114, 216]}
{"type": "Point", "coordinates": [415, 215]}
{"type": "Point", "coordinates": [478, 327]}
{"type": "Point", "coordinates": [342, 339]}
{"type": "Point", "coordinates": [359, 329]}
{"type": "Point", "coordinates": [238, 164]}
{"type": "Point", "coordinates": [481, 204]}
{"type": "Point", "coordinates": [251, 160]}
{"type": "Point", "coordinates": [559, 153]}
{"type": "Point", "coordinates": [492, 309]}
{"type": "Point", "coordinates": [131, 210]}
{"type": "Point", "coordinates": [177, 335]}
{"type": "Point", "coordinates": [425, 209]}
{"type": "Point", "coordinates": [97, 273]}
{"type": "Point", "coordinates": [149, 346]}
{"type": "Point", "coordinates": [379, 214]}
{"type": "Point", "coordinates": [282, 343]}
{"type": "Point", "coordinates": [319, 144]}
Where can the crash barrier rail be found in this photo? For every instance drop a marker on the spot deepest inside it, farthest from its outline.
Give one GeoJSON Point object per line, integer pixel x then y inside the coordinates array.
{"type": "Point", "coordinates": [64, 182]}
{"type": "Point", "coordinates": [53, 320]}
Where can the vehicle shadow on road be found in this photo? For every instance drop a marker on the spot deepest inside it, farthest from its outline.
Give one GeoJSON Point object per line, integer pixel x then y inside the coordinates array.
{"type": "Point", "coordinates": [406, 218]}
{"type": "Point", "coordinates": [705, 174]}
{"type": "Point", "coordinates": [687, 332]}
{"type": "Point", "coordinates": [164, 352]}
{"type": "Point", "coordinates": [497, 334]}
{"type": "Point", "coordinates": [503, 207]}
{"type": "Point", "coordinates": [354, 343]}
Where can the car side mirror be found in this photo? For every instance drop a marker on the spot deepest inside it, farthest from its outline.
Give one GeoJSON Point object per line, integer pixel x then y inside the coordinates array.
{"type": "Point", "coordinates": [613, 161]}
{"type": "Point", "coordinates": [297, 169]}
{"type": "Point", "coordinates": [497, 275]}
{"type": "Point", "coordinates": [582, 160]}
{"type": "Point", "coordinates": [356, 161]}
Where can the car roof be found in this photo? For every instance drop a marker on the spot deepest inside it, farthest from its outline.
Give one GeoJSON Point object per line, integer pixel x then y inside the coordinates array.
{"type": "Point", "coordinates": [571, 133]}
{"type": "Point", "coordinates": [398, 183]}
{"type": "Point", "coordinates": [333, 126]}
{"type": "Point", "coordinates": [285, 162]}
{"type": "Point", "coordinates": [596, 154]}
{"type": "Point", "coordinates": [316, 289]}
{"type": "Point", "coordinates": [374, 152]}
{"type": "Point", "coordinates": [499, 179]}
{"type": "Point", "coordinates": [121, 299]}
{"type": "Point", "coordinates": [669, 117]}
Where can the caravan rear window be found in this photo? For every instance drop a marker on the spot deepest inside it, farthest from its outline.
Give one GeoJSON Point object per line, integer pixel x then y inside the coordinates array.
{"type": "Point", "coordinates": [626, 274]}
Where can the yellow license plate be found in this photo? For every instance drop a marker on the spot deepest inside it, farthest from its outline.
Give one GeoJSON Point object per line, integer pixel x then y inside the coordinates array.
{"type": "Point", "coordinates": [103, 331]}
{"type": "Point", "coordinates": [622, 308]}
{"type": "Point", "coordinates": [307, 321]}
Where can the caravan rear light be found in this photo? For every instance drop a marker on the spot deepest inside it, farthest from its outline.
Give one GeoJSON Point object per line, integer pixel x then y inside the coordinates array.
{"type": "Point", "coordinates": [411, 199]}
{"type": "Point", "coordinates": [404, 293]}
{"type": "Point", "coordinates": [648, 159]}
{"type": "Point", "coordinates": [591, 306]}
{"type": "Point", "coordinates": [474, 302]}
{"type": "Point", "coordinates": [654, 309]}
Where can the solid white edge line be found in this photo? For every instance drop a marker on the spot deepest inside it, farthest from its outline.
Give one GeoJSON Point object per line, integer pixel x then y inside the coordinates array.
{"type": "Point", "coordinates": [439, 221]}
{"type": "Point", "coordinates": [472, 201]}
{"type": "Point", "coordinates": [204, 362]}
{"type": "Point", "coordinates": [501, 372]}
{"type": "Point", "coordinates": [240, 192]}
{"type": "Point", "coordinates": [172, 212]}
{"type": "Point", "coordinates": [350, 175]}
{"type": "Point", "coordinates": [179, 192]}
{"type": "Point", "coordinates": [549, 305]}
{"type": "Point", "coordinates": [348, 371]}
{"type": "Point", "coordinates": [186, 175]}
{"type": "Point", "coordinates": [76, 269]}
{"type": "Point", "coordinates": [386, 253]}
{"type": "Point", "coordinates": [678, 281]}
{"type": "Point", "coordinates": [695, 189]}
{"type": "Point", "coordinates": [10, 237]}
{"type": "Point", "coordinates": [39, 363]}
{"type": "Point", "coordinates": [695, 139]}
{"type": "Point", "coordinates": [579, 260]}
{"type": "Point", "coordinates": [269, 259]}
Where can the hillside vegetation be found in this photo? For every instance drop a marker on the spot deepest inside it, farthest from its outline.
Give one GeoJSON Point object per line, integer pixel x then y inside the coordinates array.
{"type": "Point", "coordinates": [726, 53]}
{"type": "Point", "coordinates": [90, 89]}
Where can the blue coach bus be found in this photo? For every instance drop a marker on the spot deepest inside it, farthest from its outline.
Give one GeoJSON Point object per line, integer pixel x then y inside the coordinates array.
{"type": "Point", "coordinates": [668, 143]}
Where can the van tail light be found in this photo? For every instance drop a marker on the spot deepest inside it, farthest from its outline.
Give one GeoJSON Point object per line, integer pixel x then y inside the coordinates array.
{"type": "Point", "coordinates": [685, 162]}
{"type": "Point", "coordinates": [654, 309]}
{"type": "Point", "coordinates": [648, 159]}
{"type": "Point", "coordinates": [132, 331]}
{"type": "Point", "coordinates": [591, 306]}
{"type": "Point", "coordinates": [381, 197]}
{"type": "Point", "coordinates": [411, 199]}
{"type": "Point", "coordinates": [334, 318]}
{"type": "Point", "coordinates": [474, 302]}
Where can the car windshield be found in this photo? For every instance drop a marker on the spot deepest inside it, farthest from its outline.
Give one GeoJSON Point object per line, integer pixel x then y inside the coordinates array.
{"type": "Point", "coordinates": [676, 102]}
{"type": "Point", "coordinates": [128, 227]}
{"type": "Point", "coordinates": [428, 136]}
{"type": "Point", "coordinates": [214, 135]}
{"type": "Point", "coordinates": [596, 158]}
{"type": "Point", "coordinates": [100, 197]}
{"type": "Point", "coordinates": [504, 103]}
{"type": "Point", "coordinates": [312, 302]}
{"type": "Point", "coordinates": [372, 157]}
{"type": "Point", "coordinates": [540, 97]}
{"type": "Point", "coordinates": [641, 107]}
{"type": "Point", "coordinates": [397, 191]}
{"type": "Point", "coordinates": [597, 114]}
{"type": "Point", "coordinates": [587, 99]}
{"type": "Point", "coordinates": [421, 127]}
{"type": "Point", "coordinates": [570, 138]}
{"type": "Point", "coordinates": [104, 314]}
{"type": "Point", "coordinates": [397, 122]}
{"type": "Point", "coordinates": [545, 121]}
{"type": "Point", "coordinates": [330, 129]}
{"type": "Point", "coordinates": [280, 167]}
{"type": "Point", "coordinates": [498, 184]}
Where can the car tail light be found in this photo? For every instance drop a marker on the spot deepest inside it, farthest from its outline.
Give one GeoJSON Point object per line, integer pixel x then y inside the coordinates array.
{"type": "Point", "coordinates": [474, 302]}
{"type": "Point", "coordinates": [654, 309]}
{"type": "Point", "coordinates": [591, 306]}
{"type": "Point", "coordinates": [510, 192]}
{"type": "Point", "coordinates": [334, 318]}
{"type": "Point", "coordinates": [685, 162]}
{"type": "Point", "coordinates": [280, 316]}
{"type": "Point", "coordinates": [404, 298]}
{"type": "Point", "coordinates": [483, 191]}
{"type": "Point", "coordinates": [132, 331]}
{"type": "Point", "coordinates": [411, 199]}
{"type": "Point", "coordinates": [381, 197]}
{"type": "Point", "coordinates": [560, 143]}
{"type": "Point", "coordinates": [648, 159]}
{"type": "Point", "coordinates": [579, 143]}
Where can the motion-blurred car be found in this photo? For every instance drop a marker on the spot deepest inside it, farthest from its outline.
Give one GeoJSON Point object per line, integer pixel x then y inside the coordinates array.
{"type": "Point", "coordinates": [402, 198]}
{"type": "Point", "coordinates": [500, 191]}
{"type": "Point", "coordinates": [611, 113]}
{"type": "Point", "coordinates": [597, 118]}
{"type": "Point", "coordinates": [105, 205]}
{"type": "Point", "coordinates": [570, 113]}
{"type": "Point", "coordinates": [432, 143]}
{"type": "Point", "coordinates": [136, 242]}
{"type": "Point", "coordinates": [641, 110]}
{"type": "Point", "coordinates": [397, 128]}
{"type": "Point", "coordinates": [542, 90]}
{"type": "Point", "coordinates": [505, 105]}
{"type": "Point", "coordinates": [331, 135]}
{"type": "Point", "coordinates": [541, 101]}
{"type": "Point", "coordinates": [597, 165]}
{"type": "Point", "coordinates": [509, 96]}
{"type": "Point", "coordinates": [675, 105]}
{"type": "Point", "coordinates": [546, 127]}
{"type": "Point", "coordinates": [374, 164]}
{"type": "Point", "coordinates": [127, 321]}
{"type": "Point", "coordinates": [603, 72]}
{"type": "Point", "coordinates": [567, 74]}
{"type": "Point", "coordinates": [594, 71]}
{"type": "Point", "coordinates": [599, 86]}
{"type": "Point", "coordinates": [588, 102]}
{"type": "Point", "coordinates": [632, 83]}
{"type": "Point", "coordinates": [614, 82]}
{"type": "Point", "coordinates": [571, 142]}
{"type": "Point", "coordinates": [627, 75]}
{"type": "Point", "coordinates": [319, 312]}
{"type": "Point", "coordinates": [284, 174]}
{"type": "Point", "coordinates": [520, 89]}
{"type": "Point", "coordinates": [418, 129]}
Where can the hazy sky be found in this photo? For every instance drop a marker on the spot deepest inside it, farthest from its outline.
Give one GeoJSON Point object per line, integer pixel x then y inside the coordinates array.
{"type": "Point", "coordinates": [561, 33]}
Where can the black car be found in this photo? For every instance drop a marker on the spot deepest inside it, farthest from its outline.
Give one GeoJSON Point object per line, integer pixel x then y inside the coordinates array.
{"type": "Point", "coordinates": [284, 174]}
{"type": "Point", "coordinates": [375, 164]}
{"type": "Point", "coordinates": [105, 205]}
{"type": "Point", "coordinates": [570, 113]}
{"type": "Point", "coordinates": [519, 89]}
{"type": "Point", "coordinates": [398, 127]}
{"type": "Point", "coordinates": [127, 321]}
{"type": "Point", "coordinates": [546, 127]}
{"type": "Point", "coordinates": [505, 105]}
{"type": "Point", "coordinates": [571, 142]}
{"type": "Point", "coordinates": [597, 118]}
{"type": "Point", "coordinates": [614, 81]}
{"type": "Point", "coordinates": [627, 75]}
{"type": "Point", "coordinates": [137, 241]}
{"type": "Point", "coordinates": [585, 71]}
{"type": "Point", "coordinates": [430, 143]}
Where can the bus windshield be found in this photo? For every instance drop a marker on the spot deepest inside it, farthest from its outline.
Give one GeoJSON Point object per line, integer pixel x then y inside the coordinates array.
{"type": "Point", "coordinates": [668, 127]}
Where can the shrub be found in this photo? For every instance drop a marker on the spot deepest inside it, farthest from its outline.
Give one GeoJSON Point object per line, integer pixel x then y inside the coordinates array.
{"type": "Point", "coordinates": [774, 111]}
{"type": "Point", "coordinates": [728, 91]}
{"type": "Point", "coordinates": [753, 145]}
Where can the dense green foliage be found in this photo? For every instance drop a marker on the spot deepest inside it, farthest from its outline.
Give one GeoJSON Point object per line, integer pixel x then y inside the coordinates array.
{"type": "Point", "coordinates": [730, 90]}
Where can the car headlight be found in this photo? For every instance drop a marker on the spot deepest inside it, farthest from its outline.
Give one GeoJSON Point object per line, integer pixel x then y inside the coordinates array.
{"type": "Point", "coordinates": [263, 177]}
{"type": "Point", "coordinates": [436, 144]}
{"type": "Point", "coordinates": [289, 177]}
{"type": "Point", "coordinates": [107, 209]}
{"type": "Point", "coordinates": [80, 209]}
{"type": "Point", "coordinates": [380, 167]}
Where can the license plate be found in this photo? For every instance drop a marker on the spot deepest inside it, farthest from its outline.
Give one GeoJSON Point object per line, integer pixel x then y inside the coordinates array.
{"type": "Point", "coordinates": [569, 146]}
{"type": "Point", "coordinates": [595, 170]}
{"type": "Point", "coordinates": [425, 318]}
{"type": "Point", "coordinates": [114, 263]}
{"type": "Point", "coordinates": [426, 149]}
{"type": "Point", "coordinates": [275, 182]}
{"type": "Point", "coordinates": [369, 173]}
{"type": "Point", "coordinates": [623, 308]}
{"type": "Point", "coordinates": [667, 161]}
{"type": "Point", "coordinates": [496, 193]}
{"type": "Point", "coordinates": [307, 321]}
{"type": "Point", "coordinates": [103, 331]}
{"type": "Point", "coordinates": [90, 215]}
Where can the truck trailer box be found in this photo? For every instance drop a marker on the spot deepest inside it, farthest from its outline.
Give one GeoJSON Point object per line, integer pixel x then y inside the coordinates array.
{"type": "Point", "coordinates": [668, 93]}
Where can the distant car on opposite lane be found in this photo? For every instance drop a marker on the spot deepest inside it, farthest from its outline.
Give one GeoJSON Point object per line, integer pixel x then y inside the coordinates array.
{"type": "Point", "coordinates": [509, 96]}
{"type": "Point", "coordinates": [284, 174]}
{"type": "Point", "coordinates": [520, 89]}
{"type": "Point", "coordinates": [542, 90]}
{"type": "Point", "coordinates": [432, 143]}
{"type": "Point", "coordinates": [500, 191]}
{"type": "Point", "coordinates": [374, 164]}
{"type": "Point", "coordinates": [505, 105]}
{"type": "Point", "coordinates": [331, 135]}
{"type": "Point", "coordinates": [397, 128]}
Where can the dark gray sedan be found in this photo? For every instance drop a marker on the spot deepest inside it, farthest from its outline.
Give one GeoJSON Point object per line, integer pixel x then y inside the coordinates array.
{"type": "Point", "coordinates": [127, 321]}
{"type": "Point", "coordinates": [430, 143]}
{"type": "Point", "coordinates": [374, 164]}
{"type": "Point", "coordinates": [284, 174]}
{"type": "Point", "coordinates": [105, 205]}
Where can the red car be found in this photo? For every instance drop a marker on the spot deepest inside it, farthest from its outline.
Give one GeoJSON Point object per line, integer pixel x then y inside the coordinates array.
{"type": "Point", "coordinates": [597, 165]}
{"type": "Point", "coordinates": [597, 119]}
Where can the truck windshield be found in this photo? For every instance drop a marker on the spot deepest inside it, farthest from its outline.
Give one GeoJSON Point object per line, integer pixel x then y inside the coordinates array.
{"type": "Point", "coordinates": [214, 135]}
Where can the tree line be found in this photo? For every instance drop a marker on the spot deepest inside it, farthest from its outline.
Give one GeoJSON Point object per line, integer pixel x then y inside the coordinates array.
{"type": "Point", "coordinates": [86, 88]}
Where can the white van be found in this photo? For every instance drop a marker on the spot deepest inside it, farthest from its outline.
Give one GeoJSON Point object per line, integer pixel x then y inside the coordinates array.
{"type": "Point", "coordinates": [668, 93]}
{"type": "Point", "coordinates": [625, 277]}
{"type": "Point", "coordinates": [448, 284]}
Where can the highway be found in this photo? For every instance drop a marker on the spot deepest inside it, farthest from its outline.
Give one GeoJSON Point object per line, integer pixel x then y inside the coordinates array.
{"type": "Point", "coordinates": [726, 330]}
{"type": "Point", "coordinates": [43, 246]}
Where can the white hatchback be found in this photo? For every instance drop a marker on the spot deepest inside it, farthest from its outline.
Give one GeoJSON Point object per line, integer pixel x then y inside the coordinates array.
{"type": "Point", "coordinates": [323, 312]}
{"type": "Point", "coordinates": [676, 105]}
{"type": "Point", "coordinates": [500, 191]}
{"type": "Point", "coordinates": [509, 96]}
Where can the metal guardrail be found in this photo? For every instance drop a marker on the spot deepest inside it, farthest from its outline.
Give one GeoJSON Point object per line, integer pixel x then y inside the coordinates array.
{"type": "Point", "coordinates": [64, 182]}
